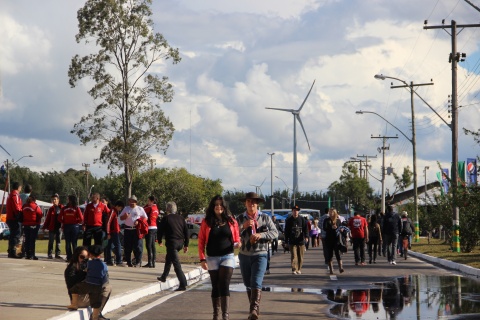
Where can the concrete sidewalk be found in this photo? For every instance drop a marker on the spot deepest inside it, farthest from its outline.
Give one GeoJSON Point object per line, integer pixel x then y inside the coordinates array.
{"type": "Point", "coordinates": [36, 289]}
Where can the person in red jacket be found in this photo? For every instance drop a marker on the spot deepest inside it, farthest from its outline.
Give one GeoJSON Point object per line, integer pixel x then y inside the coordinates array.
{"type": "Point", "coordinates": [32, 216]}
{"type": "Point", "coordinates": [71, 217]}
{"type": "Point", "coordinates": [219, 235]}
{"type": "Point", "coordinates": [54, 227]}
{"type": "Point", "coordinates": [113, 236]}
{"type": "Point", "coordinates": [93, 221]}
{"type": "Point", "coordinates": [359, 229]}
{"type": "Point", "coordinates": [14, 207]}
{"type": "Point", "coordinates": [151, 210]}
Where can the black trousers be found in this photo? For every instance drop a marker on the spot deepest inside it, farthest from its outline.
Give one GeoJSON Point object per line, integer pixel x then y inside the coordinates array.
{"type": "Point", "coordinates": [54, 236]}
{"type": "Point", "coordinates": [92, 232]}
{"type": "Point", "coordinates": [132, 243]}
{"type": "Point", "coordinates": [172, 258]}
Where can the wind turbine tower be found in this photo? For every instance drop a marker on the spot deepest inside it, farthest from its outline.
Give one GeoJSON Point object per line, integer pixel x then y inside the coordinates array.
{"type": "Point", "coordinates": [296, 117]}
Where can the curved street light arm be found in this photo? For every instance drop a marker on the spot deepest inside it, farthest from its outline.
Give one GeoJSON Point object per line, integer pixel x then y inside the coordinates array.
{"type": "Point", "coordinates": [383, 77]}
{"type": "Point", "coordinates": [362, 112]}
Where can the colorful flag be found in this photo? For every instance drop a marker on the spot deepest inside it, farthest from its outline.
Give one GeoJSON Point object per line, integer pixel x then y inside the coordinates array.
{"type": "Point", "coordinates": [444, 180]}
{"type": "Point", "coordinates": [471, 171]}
{"type": "Point", "coordinates": [461, 173]}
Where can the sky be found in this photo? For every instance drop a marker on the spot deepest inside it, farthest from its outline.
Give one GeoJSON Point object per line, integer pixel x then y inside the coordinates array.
{"type": "Point", "coordinates": [240, 57]}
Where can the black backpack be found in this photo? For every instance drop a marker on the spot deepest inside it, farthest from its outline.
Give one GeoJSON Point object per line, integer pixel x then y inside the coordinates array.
{"type": "Point", "coordinates": [406, 228]}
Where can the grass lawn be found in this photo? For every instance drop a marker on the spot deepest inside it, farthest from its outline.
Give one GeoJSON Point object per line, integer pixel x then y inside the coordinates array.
{"type": "Point", "coordinates": [441, 249]}
{"type": "Point", "coordinates": [437, 248]}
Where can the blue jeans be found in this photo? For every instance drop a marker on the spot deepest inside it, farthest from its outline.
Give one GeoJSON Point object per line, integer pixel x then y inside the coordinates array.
{"type": "Point", "coordinates": [71, 237]}
{"type": "Point", "coordinates": [113, 244]}
{"type": "Point", "coordinates": [15, 233]}
{"type": "Point", "coordinates": [253, 269]}
{"type": "Point", "coordinates": [391, 241]}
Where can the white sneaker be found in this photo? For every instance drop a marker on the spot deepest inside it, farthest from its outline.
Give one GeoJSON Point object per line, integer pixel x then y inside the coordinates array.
{"type": "Point", "coordinates": [294, 272]}
{"type": "Point", "coordinates": [299, 272]}
{"type": "Point", "coordinates": [394, 263]}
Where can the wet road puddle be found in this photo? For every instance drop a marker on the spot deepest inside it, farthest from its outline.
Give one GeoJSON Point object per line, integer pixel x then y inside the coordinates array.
{"type": "Point", "coordinates": [410, 297]}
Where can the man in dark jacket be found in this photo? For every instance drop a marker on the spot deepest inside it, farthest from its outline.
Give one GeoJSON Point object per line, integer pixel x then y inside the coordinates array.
{"type": "Point", "coordinates": [392, 227]}
{"type": "Point", "coordinates": [174, 228]}
{"type": "Point", "coordinates": [296, 234]}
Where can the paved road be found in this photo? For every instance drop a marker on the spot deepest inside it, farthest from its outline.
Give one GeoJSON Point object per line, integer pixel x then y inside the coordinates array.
{"type": "Point", "coordinates": [287, 296]}
{"type": "Point", "coordinates": [36, 289]}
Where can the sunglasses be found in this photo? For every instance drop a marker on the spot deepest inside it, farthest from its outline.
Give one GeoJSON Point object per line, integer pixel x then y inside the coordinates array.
{"type": "Point", "coordinates": [83, 257]}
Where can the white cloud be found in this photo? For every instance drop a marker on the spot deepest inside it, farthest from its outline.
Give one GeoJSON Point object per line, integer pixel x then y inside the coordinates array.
{"type": "Point", "coordinates": [237, 59]}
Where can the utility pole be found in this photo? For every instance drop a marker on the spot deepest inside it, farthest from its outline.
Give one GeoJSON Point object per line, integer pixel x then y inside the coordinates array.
{"type": "Point", "coordinates": [411, 86]}
{"type": "Point", "coordinates": [384, 147]}
{"type": "Point", "coordinates": [272, 201]}
{"type": "Point", "coordinates": [366, 163]}
{"type": "Point", "coordinates": [86, 165]}
{"type": "Point", "coordinates": [353, 159]}
{"type": "Point", "coordinates": [454, 57]}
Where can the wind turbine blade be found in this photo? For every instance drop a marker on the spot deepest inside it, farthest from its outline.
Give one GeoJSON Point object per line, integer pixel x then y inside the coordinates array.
{"type": "Point", "coordinates": [263, 182]}
{"type": "Point", "coordinates": [306, 97]}
{"type": "Point", "coordinates": [288, 110]}
{"type": "Point", "coordinates": [301, 124]}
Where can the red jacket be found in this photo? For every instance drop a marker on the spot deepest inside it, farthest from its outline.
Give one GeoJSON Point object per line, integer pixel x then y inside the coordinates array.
{"type": "Point", "coordinates": [152, 214]}
{"type": "Point", "coordinates": [93, 216]}
{"type": "Point", "coordinates": [142, 227]}
{"type": "Point", "coordinates": [32, 214]}
{"type": "Point", "coordinates": [52, 218]}
{"type": "Point", "coordinates": [358, 227]}
{"type": "Point", "coordinates": [205, 233]}
{"type": "Point", "coordinates": [14, 205]}
{"type": "Point", "coordinates": [70, 215]}
{"type": "Point", "coordinates": [112, 224]}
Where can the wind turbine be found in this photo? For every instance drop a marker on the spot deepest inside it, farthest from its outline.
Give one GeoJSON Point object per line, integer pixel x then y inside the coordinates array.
{"type": "Point", "coordinates": [296, 116]}
{"type": "Point", "coordinates": [257, 188]}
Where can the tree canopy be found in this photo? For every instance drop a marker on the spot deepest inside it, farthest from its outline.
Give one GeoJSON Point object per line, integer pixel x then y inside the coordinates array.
{"type": "Point", "coordinates": [127, 120]}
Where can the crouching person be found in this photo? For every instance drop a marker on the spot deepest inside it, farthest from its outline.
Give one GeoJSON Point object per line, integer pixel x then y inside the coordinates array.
{"type": "Point", "coordinates": [95, 284]}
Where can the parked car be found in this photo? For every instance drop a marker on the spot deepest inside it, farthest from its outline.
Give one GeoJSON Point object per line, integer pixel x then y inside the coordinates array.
{"type": "Point", "coordinates": [4, 231]}
{"type": "Point", "coordinates": [193, 230]}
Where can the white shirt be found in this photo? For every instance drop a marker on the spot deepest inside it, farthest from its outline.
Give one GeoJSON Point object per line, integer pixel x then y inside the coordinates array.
{"type": "Point", "coordinates": [135, 214]}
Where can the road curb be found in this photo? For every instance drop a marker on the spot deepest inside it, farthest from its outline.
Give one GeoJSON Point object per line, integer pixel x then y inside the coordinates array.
{"type": "Point", "coordinates": [447, 264]}
{"type": "Point", "coordinates": [125, 298]}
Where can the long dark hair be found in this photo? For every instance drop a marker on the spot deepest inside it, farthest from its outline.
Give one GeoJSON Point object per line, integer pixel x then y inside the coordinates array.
{"type": "Point", "coordinates": [72, 201]}
{"type": "Point", "coordinates": [210, 212]}
{"type": "Point", "coordinates": [76, 254]}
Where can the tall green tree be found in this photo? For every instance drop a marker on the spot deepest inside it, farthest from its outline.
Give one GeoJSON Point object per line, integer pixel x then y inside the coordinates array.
{"type": "Point", "coordinates": [127, 120]}
{"type": "Point", "coordinates": [351, 186]}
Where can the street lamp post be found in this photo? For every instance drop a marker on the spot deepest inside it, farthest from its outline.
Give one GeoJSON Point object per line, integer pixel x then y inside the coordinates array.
{"type": "Point", "coordinates": [272, 201]}
{"type": "Point", "coordinates": [383, 157]}
{"type": "Point", "coordinates": [13, 162]}
{"type": "Point", "coordinates": [426, 189]}
{"type": "Point", "coordinates": [413, 140]}
{"type": "Point", "coordinates": [288, 189]}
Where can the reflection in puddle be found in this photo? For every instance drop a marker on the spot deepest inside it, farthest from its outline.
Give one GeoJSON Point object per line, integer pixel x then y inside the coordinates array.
{"type": "Point", "coordinates": [410, 297]}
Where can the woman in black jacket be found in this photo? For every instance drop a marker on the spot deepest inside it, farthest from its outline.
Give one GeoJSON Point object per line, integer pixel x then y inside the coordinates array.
{"type": "Point", "coordinates": [330, 225]}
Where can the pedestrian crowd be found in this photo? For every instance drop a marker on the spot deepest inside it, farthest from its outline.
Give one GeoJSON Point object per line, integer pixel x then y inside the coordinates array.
{"type": "Point", "coordinates": [254, 233]}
